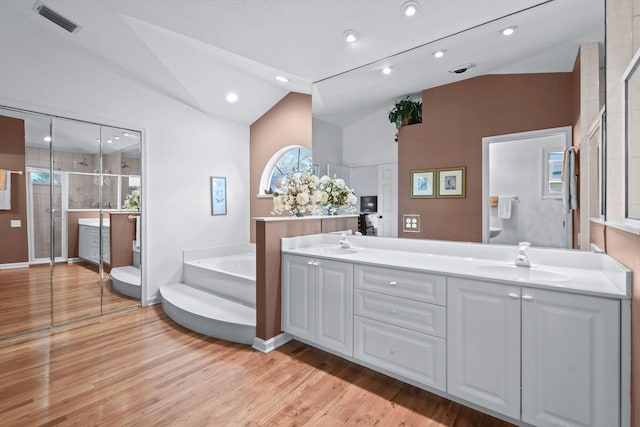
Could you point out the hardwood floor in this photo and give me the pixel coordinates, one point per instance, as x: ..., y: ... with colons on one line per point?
x: 25, y: 296
x: 140, y: 368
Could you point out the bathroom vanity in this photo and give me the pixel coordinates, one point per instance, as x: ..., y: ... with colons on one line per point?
x: 89, y: 240
x: 541, y: 345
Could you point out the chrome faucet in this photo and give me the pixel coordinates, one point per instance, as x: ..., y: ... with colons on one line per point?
x: 344, y: 243
x: 522, y: 259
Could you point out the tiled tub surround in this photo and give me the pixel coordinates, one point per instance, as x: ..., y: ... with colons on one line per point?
x: 546, y: 345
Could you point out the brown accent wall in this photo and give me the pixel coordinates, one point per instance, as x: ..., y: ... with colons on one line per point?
x: 13, y: 241
x: 455, y: 119
x: 73, y: 230
x: 625, y: 247
x: 286, y: 123
x: 122, y: 234
x: 269, y: 264
x: 597, y: 235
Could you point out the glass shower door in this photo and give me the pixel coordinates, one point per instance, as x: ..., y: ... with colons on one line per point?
x: 40, y: 238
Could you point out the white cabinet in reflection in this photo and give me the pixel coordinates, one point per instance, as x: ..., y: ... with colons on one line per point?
x: 89, y: 244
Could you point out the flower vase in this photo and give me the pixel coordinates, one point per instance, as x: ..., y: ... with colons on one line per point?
x: 299, y: 214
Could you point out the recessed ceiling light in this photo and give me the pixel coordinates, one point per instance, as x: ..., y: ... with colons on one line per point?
x: 410, y: 8
x: 125, y: 134
x: 386, y: 70
x: 282, y: 79
x: 439, y: 53
x: 116, y: 137
x: 110, y: 141
x: 508, y: 31
x: 350, y: 36
x: 47, y: 138
x: 232, y: 97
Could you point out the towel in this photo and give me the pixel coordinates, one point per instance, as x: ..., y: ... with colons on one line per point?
x: 3, y: 179
x: 504, y: 207
x: 569, y: 181
x: 5, y: 195
x: 137, y: 242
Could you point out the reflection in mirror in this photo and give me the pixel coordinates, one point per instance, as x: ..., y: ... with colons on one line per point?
x: 121, y: 206
x: 80, y: 182
x: 350, y: 109
x: 76, y: 287
x: 632, y: 137
x: 25, y: 246
x: 596, y: 164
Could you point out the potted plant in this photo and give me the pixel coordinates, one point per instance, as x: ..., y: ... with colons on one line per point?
x: 406, y: 112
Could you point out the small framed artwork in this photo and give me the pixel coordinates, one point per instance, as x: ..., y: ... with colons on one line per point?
x: 423, y: 183
x: 218, y: 195
x: 451, y: 182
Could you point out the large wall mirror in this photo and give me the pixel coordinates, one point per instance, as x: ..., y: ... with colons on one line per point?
x: 351, y: 129
x: 72, y: 249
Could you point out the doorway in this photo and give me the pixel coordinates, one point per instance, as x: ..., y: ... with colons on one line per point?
x: 522, y: 188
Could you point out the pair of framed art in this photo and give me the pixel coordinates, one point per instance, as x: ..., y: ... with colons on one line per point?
x: 441, y: 183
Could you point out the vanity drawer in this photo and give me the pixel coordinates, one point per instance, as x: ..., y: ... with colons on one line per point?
x: 401, y: 283
x: 419, y: 316
x: 413, y: 355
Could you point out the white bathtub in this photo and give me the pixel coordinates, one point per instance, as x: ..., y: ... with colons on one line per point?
x: 226, y: 272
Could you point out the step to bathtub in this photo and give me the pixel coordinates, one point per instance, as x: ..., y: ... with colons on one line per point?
x: 126, y: 280
x: 209, y: 314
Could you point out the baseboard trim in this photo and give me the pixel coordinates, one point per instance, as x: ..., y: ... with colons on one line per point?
x: 272, y: 343
x: 14, y: 265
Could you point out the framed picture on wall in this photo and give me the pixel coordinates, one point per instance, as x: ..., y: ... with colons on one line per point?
x: 451, y: 182
x: 423, y: 183
x: 218, y: 195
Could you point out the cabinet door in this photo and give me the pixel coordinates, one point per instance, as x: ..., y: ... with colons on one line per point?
x: 334, y: 306
x: 297, y: 296
x: 483, y: 344
x: 570, y: 359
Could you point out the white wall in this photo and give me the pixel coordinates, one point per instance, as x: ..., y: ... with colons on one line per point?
x: 44, y: 71
x: 327, y: 144
x: 364, y: 180
x: 369, y: 141
x: 516, y: 170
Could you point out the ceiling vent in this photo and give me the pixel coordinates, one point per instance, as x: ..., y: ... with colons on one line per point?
x: 461, y: 68
x: 55, y: 17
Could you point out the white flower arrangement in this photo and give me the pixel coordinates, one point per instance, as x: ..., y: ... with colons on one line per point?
x: 132, y: 201
x: 298, y: 194
x: 336, y: 195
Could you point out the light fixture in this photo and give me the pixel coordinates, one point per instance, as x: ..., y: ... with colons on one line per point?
x: 508, y: 31
x: 116, y: 137
x: 350, y: 36
x: 386, y: 70
x: 282, y: 79
x: 410, y: 8
x: 232, y: 97
x: 125, y: 134
x: 110, y: 141
x: 439, y: 53
x: 47, y: 138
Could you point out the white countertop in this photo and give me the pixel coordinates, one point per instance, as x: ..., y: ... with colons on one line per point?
x: 301, y: 218
x: 94, y: 222
x: 565, y: 270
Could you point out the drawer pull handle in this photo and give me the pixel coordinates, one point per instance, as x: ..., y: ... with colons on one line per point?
x: 394, y: 311
x: 527, y: 298
x: 393, y: 350
x: 513, y: 295
x: 394, y: 283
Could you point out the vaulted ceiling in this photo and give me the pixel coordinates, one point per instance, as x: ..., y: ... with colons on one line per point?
x: 197, y: 51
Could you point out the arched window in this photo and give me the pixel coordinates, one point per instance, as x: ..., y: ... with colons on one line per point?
x: 288, y: 160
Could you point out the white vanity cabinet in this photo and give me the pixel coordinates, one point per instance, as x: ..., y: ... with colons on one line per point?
x: 399, y: 323
x: 89, y: 244
x: 570, y: 358
x: 317, y: 302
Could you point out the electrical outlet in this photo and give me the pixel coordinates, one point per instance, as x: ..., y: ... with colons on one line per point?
x: 16, y: 223
x: 411, y: 223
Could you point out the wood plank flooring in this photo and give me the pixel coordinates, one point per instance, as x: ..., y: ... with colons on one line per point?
x: 139, y: 368
x: 26, y: 297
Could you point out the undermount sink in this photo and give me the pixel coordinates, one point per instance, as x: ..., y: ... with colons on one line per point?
x: 338, y: 251
x: 522, y: 273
